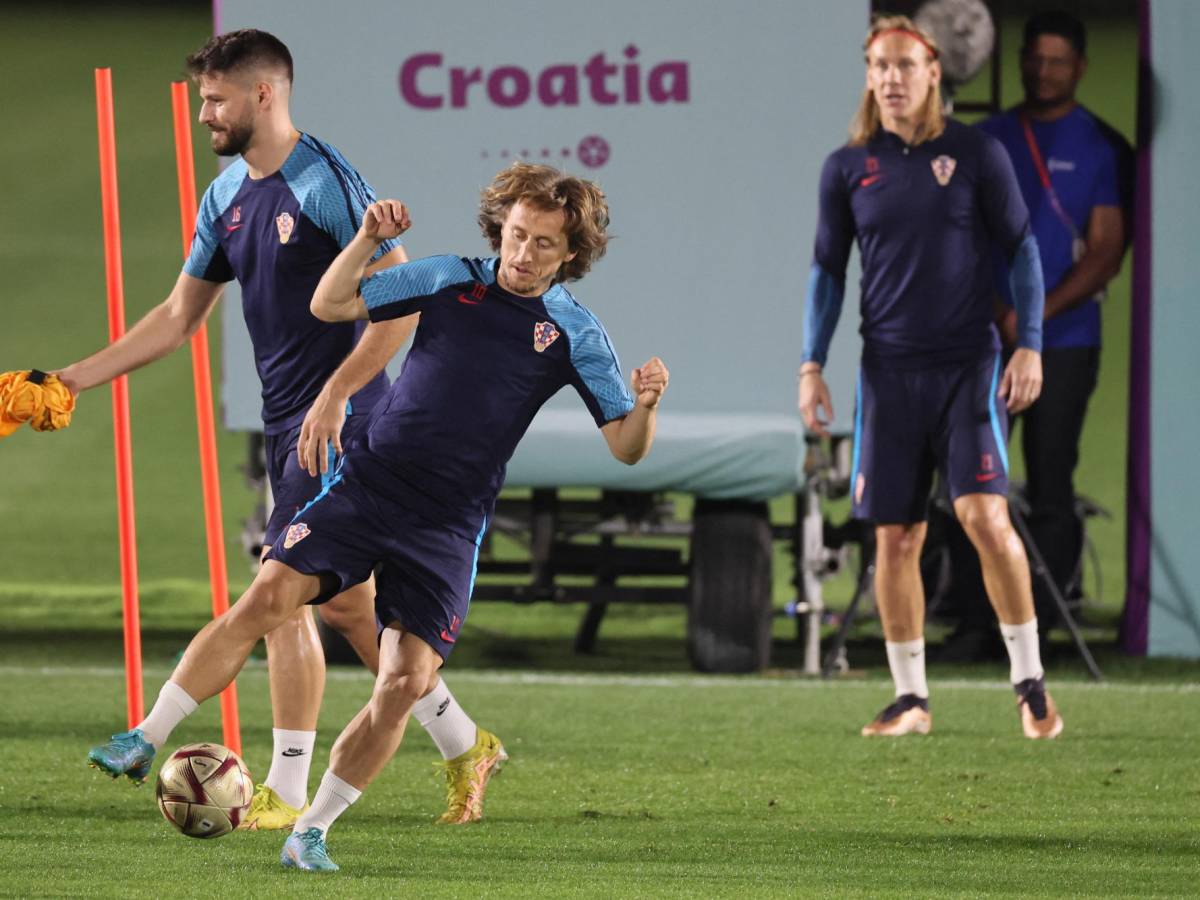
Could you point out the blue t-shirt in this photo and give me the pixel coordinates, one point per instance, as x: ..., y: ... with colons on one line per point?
x: 926, y: 218
x: 1089, y: 165
x: 277, y: 236
x: 483, y: 361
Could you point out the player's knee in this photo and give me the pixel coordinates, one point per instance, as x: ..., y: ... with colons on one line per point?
x: 898, y: 544
x: 270, y: 603
x: 988, y: 527
x: 395, y: 695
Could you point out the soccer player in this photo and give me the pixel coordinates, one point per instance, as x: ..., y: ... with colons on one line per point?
x: 412, y: 496
x: 926, y: 199
x: 274, y: 220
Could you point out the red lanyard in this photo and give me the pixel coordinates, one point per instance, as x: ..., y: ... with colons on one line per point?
x: 1044, y: 177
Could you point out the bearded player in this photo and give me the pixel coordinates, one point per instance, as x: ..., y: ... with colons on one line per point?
x: 274, y: 220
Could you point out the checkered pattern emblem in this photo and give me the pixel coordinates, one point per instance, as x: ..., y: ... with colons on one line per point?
x: 285, y: 223
x: 943, y: 169
x: 295, y: 534
x: 544, y: 334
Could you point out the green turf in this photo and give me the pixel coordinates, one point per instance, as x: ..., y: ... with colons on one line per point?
x: 651, y: 785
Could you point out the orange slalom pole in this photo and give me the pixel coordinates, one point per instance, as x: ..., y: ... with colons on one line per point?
x: 123, y: 446
x: 205, y: 425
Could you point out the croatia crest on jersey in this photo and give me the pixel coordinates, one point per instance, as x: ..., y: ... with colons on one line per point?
x: 943, y: 169
x: 295, y: 534
x: 544, y: 334
x: 285, y: 223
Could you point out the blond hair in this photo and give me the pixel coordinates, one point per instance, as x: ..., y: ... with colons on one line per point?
x: 547, y: 189
x: 866, y: 120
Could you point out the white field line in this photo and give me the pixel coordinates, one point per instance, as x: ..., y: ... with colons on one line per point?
x: 786, y: 682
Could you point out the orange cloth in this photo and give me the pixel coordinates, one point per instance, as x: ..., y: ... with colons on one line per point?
x: 34, y: 397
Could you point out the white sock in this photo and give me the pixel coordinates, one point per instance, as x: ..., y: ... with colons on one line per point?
x: 906, y: 659
x: 173, y: 705
x: 1024, y: 655
x: 451, y: 728
x: 333, y: 798
x: 289, y: 765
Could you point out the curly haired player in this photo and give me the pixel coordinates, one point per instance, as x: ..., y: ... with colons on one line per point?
x: 412, y: 496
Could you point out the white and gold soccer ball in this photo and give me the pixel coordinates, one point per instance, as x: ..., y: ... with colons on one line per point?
x: 204, y: 790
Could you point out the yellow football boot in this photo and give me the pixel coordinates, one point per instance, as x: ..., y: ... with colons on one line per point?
x: 467, y: 778
x: 268, y: 812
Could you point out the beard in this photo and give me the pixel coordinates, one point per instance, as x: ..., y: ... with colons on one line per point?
x: 232, y: 141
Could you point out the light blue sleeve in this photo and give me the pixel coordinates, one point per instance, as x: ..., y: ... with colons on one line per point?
x: 596, y: 371
x: 390, y: 292
x: 207, y: 260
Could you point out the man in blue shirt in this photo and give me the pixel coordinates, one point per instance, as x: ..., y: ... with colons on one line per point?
x: 927, y: 199
x: 1075, y: 174
x: 414, y: 492
x: 274, y: 220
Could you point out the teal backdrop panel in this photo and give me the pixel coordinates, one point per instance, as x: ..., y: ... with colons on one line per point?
x: 705, y: 125
x: 1175, y: 330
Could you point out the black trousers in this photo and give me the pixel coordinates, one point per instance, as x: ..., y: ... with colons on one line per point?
x: 1050, y: 433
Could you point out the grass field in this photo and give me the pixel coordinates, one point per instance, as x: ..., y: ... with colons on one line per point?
x: 629, y: 776
x: 649, y: 785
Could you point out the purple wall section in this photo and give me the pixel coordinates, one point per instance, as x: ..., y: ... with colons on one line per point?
x: 1135, y: 621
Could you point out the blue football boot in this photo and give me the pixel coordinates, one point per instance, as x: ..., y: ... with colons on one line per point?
x: 306, y: 851
x: 128, y: 754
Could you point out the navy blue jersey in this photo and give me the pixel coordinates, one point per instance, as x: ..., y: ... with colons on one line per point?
x: 277, y: 236
x: 1089, y: 165
x: 926, y: 218
x: 483, y: 361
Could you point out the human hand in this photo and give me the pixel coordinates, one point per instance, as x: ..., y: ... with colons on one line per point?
x: 321, y: 428
x: 385, y: 219
x: 816, y: 406
x: 649, y: 382
x: 1021, y: 384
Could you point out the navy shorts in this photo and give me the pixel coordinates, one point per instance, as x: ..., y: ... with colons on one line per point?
x: 291, y: 485
x: 907, y: 423
x: 424, y: 572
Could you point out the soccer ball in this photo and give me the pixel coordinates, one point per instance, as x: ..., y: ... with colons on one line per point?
x: 204, y: 790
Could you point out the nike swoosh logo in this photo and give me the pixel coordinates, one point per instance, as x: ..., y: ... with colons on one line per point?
x: 292, y: 751
x: 987, y: 476
x: 870, y: 180
x: 446, y: 637
x: 229, y: 228
x: 463, y: 298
